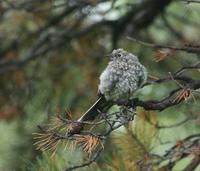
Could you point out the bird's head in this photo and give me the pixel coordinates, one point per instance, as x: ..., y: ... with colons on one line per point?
x: 118, y: 54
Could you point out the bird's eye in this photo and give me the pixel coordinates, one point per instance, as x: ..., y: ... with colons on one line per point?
x: 119, y: 55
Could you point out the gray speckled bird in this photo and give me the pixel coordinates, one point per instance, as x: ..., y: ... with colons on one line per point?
x: 118, y: 82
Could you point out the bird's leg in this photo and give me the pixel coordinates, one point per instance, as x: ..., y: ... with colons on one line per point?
x: 132, y: 103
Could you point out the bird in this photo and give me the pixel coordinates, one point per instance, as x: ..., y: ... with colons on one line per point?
x: 123, y: 75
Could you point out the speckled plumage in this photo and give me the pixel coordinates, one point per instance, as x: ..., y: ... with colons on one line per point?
x: 122, y: 77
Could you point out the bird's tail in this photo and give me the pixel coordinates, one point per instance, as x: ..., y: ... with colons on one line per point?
x: 100, y: 106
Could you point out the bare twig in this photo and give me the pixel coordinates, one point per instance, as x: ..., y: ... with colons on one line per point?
x: 189, y: 49
x: 193, y: 164
x: 187, y: 119
x: 46, y: 42
x: 87, y: 163
x: 184, y: 68
x: 190, y: 1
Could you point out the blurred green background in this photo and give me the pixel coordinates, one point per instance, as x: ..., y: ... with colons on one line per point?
x: 67, y: 59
